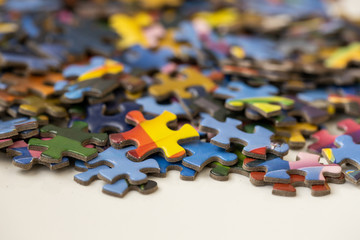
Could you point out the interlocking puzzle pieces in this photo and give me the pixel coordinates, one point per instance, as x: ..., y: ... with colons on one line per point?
x: 137, y: 57
x: 179, y: 86
x: 257, y: 144
x: 25, y: 158
x: 295, y: 133
x: 39, y: 85
x: 76, y: 91
x: 154, y: 135
x: 98, y: 67
x: 152, y: 107
x: 259, y: 99
x: 286, y: 175
x: 34, y: 106
x: 67, y: 142
x: 98, y: 121
x: 202, y: 153
x: 118, y: 189
x: 347, y: 152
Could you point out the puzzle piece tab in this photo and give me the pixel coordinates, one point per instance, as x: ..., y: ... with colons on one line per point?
x: 34, y: 106
x: 295, y: 133
x: 256, y: 144
x: 186, y: 173
x: 153, y: 136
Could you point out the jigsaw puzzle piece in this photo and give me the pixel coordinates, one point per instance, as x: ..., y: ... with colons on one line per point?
x: 202, y: 153
x: 137, y: 57
x: 295, y: 133
x: 153, y: 136
x: 14, y: 126
x: 323, y: 140
x: 67, y: 142
x: 118, y: 189
x: 26, y: 159
x: 179, y: 87
x: 99, y: 122
x: 98, y: 67
x: 255, y: 144
x: 97, y: 87
x: 35, y: 106
x: 122, y: 167
x: 152, y: 107
x: 351, y: 128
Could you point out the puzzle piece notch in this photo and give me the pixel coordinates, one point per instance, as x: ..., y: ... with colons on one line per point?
x: 255, y: 144
x: 118, y: 189
x: 323, y: 140
x: 67, y: 142
x: 179, y: 87
x: 122, y: 167
x: 153, y: 135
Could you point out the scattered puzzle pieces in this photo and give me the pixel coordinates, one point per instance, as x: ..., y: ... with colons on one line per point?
x: 15, y: 126
x: 153, y: 135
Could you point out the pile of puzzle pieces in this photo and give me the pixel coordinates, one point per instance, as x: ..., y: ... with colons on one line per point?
x: 127, y: 90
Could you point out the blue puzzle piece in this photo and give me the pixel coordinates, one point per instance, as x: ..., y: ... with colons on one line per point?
x: 26, y: 161
x: 239, y: 90
x: 119, y: 188
x: 203, y: 153
x: 122, y: 167
x: 187, y: 33
x: 152, y: 107
x: 257, y: 48
x: 185, y: 173
x: 138, y: 57
x: 97, y: 87
x: 99, y: 122
x: 313, y: 95
x: 13, y: 127
x: 32, y: 5
x: 256, y: 144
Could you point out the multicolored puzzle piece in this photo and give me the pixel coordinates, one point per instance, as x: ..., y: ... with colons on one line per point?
x: 153, y: 136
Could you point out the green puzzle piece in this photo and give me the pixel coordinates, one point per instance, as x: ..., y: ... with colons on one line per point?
x: 267, y: 106
x: 67, y: 142
x: 221, y: 172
